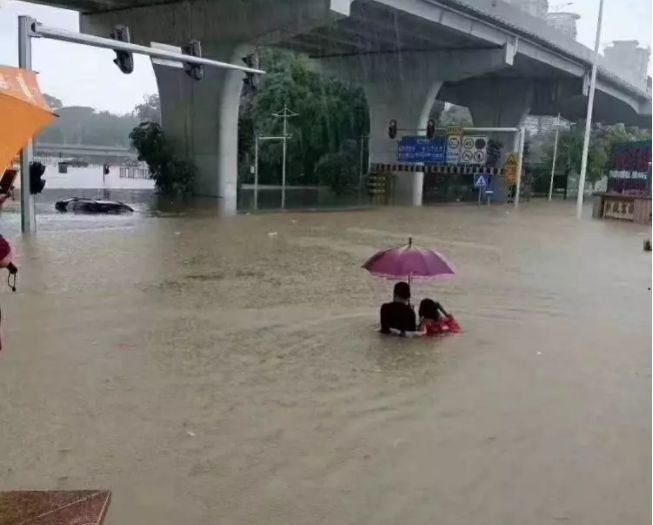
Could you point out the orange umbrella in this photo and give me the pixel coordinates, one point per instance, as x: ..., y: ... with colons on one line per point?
x: 25, y: 113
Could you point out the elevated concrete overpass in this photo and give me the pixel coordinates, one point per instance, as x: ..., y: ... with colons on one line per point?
x: 484, y: 54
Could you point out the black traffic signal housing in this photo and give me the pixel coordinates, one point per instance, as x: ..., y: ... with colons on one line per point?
x: 36, y: 182
x: 124, y: 60
x: 392, y: 129
x: 430, y: 129
x: 194, y: 71
x: 250, y: 78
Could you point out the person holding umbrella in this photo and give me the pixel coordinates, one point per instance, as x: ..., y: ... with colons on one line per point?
x: 406, y: 263
x: 399, y: 314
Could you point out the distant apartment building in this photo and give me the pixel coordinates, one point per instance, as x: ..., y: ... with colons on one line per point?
x: 563, y: 22
x: 627, y: 57
x: 537, y: 8
x: 566, y: 23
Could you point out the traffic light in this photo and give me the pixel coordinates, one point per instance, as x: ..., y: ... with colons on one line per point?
x: 193, y: 48
x: 250, y: 78
x: 392, y: 129
x: 36, y: 183
x: 430, y: 129
x: 124, y: 60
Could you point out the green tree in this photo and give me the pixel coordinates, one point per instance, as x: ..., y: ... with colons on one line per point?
x: 330, y: 113
x: 603, y: 140
x: 172, y: 176
x: 84, y: 125
x: 339, y: 171
x: 149, y: 110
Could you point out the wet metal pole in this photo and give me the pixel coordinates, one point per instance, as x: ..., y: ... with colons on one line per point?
x: 27, y: 222
x: 588, y: 119
x: 285, y: 115
x: 520, y: 164
x: 285, y: 155
x: 555, y: 156
x: 256, y: 173
x: 29, y: 28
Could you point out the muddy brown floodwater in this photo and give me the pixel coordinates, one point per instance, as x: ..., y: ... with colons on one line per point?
x: 208, y: 372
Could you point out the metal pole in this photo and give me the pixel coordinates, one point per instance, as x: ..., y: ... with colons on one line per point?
x: 588, y: 120
x: 285, y: 150
x: 360, y: 169
x: 27, y: 218
x: 520, y: 164
x: 256, y: 173
x: 555, y: 156
x: 108, y: 43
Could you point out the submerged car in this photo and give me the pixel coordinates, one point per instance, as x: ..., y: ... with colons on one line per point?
x: 80, y: 205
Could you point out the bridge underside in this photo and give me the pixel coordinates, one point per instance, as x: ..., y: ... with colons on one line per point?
x: 405, y: 54
x: 376, y: 29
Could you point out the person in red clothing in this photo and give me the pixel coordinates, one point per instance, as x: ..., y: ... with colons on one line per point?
x: 435, y: 320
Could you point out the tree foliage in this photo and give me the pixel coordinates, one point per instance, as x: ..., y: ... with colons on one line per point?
x: 84, y: 125
x: 330, y: 113
x: 172, y: 176
x: 603, y: 140
x: 338, y: 171
x: 149, y: 110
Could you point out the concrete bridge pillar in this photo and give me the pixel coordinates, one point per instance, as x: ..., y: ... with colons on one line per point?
x: 409, y: 104
x: 501, y: 104
x: 403, y: 87
x: 201, y: 118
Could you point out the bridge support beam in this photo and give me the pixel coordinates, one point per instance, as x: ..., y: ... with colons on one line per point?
x: 502, y: 104
x: 403, y: 87
x: 202, y: 117
x: 409, y: 104
x: 495, y: 102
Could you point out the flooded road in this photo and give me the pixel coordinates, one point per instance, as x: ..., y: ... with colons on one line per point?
x: 208, y: 372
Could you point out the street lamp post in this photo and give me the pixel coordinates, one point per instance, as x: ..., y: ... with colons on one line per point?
x: 588, y: 120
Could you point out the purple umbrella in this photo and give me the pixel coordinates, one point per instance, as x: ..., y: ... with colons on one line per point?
x: 409, y: 262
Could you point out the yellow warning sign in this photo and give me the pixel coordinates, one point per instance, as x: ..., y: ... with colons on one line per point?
x: 510, y: 169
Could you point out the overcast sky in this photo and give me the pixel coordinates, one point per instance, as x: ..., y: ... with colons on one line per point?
x: 86, y: 76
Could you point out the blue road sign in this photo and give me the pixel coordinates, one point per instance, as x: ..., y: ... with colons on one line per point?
x: 423, y: 150
x: 480, y: 181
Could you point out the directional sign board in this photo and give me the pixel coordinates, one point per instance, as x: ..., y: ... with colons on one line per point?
x: 423, y: 150
x: 453, y: 148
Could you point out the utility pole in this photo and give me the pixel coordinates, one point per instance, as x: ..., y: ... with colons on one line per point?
x: 285, y: 115
x: 588, y: 120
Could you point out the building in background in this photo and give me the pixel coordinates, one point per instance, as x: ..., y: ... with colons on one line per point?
x: 537, y: 8
x: 630, y: 59
x: 566, y: 23
x: 561, y: 21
